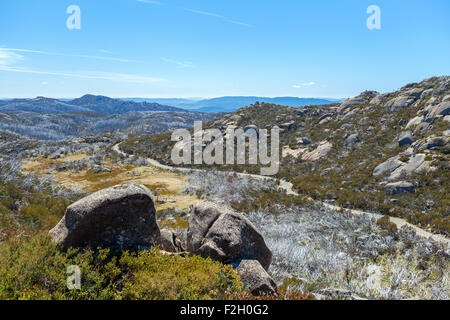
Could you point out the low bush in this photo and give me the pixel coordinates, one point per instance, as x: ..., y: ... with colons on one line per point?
x: 35, y: 269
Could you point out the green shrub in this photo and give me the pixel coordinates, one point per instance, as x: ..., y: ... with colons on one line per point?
x: 35, y: 269
x: 386, y: 224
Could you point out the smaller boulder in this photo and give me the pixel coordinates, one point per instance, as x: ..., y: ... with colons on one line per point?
x: 405, y: 139
x: 121, y: 217
x: 169, y: 242
x: 217, y: 232
x: 351, y: 139
x: 387, y: 166
x: 255, y: 278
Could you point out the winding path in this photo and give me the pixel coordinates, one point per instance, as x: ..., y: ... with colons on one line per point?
x: 288, y: 187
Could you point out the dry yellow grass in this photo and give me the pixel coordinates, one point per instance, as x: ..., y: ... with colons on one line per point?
x: 168, y: 185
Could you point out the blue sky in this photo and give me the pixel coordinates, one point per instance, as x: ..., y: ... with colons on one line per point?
x: 208, y: 48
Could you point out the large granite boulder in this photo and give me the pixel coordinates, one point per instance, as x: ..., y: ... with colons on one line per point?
x: 217, y: 232
x: 121, y: 217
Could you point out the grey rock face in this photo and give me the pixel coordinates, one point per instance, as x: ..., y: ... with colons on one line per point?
x: 388, y: 166
x: 363, y: 98
x: 442, y: 109
x: 318, y: 153
x: 255, y: 278
x: 400, y: 103
x: 414, y: 121
x: 378, y: 99
x: 414, y: 163
x: 121, y: 217
x: 399, y: 187
x: 405, y: 139
x: 224, y: 235
x: 169, y: 242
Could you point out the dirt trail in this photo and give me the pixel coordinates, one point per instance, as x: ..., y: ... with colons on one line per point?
x: 288, y: 187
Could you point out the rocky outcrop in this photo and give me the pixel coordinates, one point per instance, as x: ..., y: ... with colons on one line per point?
x: 363, y: 98
x: 431, y: 143
x: 121, y: 217
x: 442, y: 109
x: 414, y: 122
x: 255, y: 278
x: 415, y: 161
x: 223, y: 235
x: 320, y: 152
x: 287, y: 151
x: 404, y: 100
x: 399, y: 187
x: 388, y: 166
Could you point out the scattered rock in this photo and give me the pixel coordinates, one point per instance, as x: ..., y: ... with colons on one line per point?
x: 363, y: 98
x: 401, y: 102
x: 320, y: 152
x: 388, y: 166
x: 415, y: 161
x: 414, y: 122
x: 405, y: 139
x: 399, y: 187
x: 353, y: 138
x: 442, y: 109
x: 287, y: 125
x: 287, y: 151
x: 169, y: 242
x: 121, y: 217
x: 332, y: 292
x: 99, y: 169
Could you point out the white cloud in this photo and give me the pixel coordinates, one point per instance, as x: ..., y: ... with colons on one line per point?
x: 150, y: 1
x: 182, y: 64
x: 204, y: 13
x: 119, y: 77
x: 44, y: 83
x: 306, y: 84
x: 104, y: 51
x: 9, y: 57
x: 15, y: 50
x: 215, y: 15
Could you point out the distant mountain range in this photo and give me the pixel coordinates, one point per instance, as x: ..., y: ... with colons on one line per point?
x: 87, y: 103
x: 231, y: 104
x: 110, y: 106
